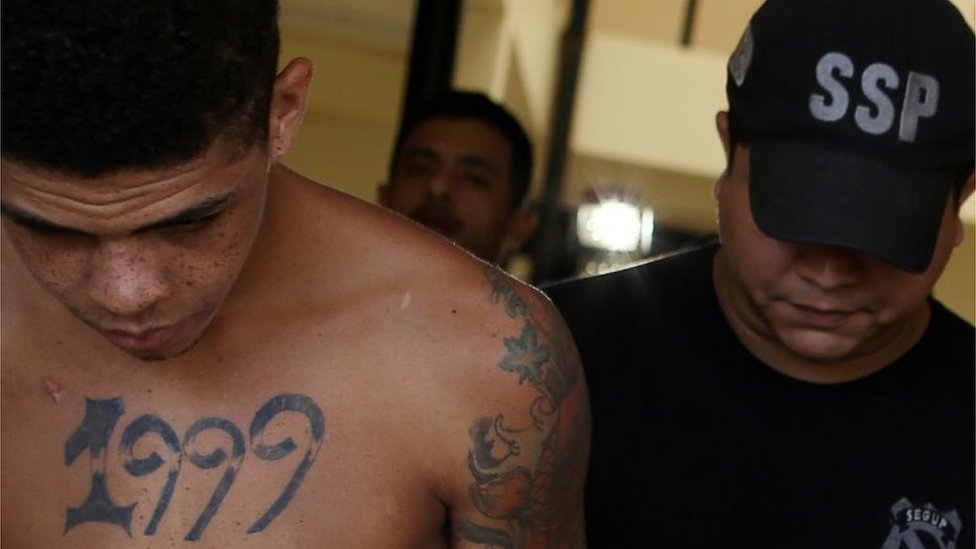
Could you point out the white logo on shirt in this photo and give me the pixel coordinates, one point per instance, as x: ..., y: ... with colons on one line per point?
x: 918, y: 527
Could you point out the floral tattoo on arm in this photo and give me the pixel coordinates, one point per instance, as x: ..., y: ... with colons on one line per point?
x: 527, y: 476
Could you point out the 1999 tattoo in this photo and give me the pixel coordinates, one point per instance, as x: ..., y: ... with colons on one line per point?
x: 101, y: 417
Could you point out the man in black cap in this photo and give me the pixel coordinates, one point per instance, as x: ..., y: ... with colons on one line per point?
x: 796, y: 385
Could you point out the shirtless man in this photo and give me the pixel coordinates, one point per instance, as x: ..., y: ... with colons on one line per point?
x: 182, y: 369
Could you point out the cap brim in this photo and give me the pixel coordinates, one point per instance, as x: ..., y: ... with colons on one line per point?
x: 801, y: 192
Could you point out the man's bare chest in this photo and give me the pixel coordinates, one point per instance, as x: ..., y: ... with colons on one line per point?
x: 275, y: 465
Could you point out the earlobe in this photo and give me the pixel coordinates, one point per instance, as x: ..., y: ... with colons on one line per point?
x: 383, y: 194
x: 722, y: 125
x: 288, y: 102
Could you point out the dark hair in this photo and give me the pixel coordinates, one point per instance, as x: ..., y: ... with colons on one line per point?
x: 475, y: 105
x: 96, y: 86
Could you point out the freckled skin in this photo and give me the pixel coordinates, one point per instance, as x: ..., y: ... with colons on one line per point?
x: 178, y: 276
x: 286, y: 395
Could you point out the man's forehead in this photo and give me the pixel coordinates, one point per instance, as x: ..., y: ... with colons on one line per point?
x: 120, y: 202
x: 21, y: 174
x: 189, y: 214
x: 220, y: 155
x: 53, y: 194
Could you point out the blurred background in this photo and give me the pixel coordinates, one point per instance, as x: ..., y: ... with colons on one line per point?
x: 619, y: 97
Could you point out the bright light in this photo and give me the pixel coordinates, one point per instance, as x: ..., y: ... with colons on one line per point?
x: 610, y: 225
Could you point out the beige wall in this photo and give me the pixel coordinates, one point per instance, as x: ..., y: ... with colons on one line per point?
x: 356, y: 94
x: 346, y: 153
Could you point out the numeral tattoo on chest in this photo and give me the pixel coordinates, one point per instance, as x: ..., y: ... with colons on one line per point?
x: 101, y: 417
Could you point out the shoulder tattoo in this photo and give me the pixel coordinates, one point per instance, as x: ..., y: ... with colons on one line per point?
x: 528, y: 475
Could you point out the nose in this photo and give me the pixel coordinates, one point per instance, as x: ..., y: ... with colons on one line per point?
x: 441, y: 183
x: 125, y: 278
x: 828, y: 266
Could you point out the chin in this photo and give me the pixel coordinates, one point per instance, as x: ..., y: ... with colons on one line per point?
x: 818, y: 346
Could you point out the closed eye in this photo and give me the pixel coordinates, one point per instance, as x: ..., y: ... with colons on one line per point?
x: 195, y: 217
x: 200, y: 222
x: 477, y: 180
x: 416, y: 169
x: 38, y: 225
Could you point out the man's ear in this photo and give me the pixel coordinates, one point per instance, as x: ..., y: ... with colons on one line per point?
x: 722, y: 126
x: 521, y: 224
x: 288, y: 101
x: 964, y: 194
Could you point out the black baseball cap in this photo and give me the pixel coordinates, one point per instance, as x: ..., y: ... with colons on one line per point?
x: 859, y: 115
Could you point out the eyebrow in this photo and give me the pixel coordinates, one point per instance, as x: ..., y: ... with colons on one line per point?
x: 200, y: 210
x: 469, y: 160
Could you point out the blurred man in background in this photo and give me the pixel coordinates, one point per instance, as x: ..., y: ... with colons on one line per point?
x: 462, y: 165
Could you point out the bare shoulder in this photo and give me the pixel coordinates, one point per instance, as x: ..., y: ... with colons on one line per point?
x: 483, y: 358
x: 529, y: 440
x: 514, y: 376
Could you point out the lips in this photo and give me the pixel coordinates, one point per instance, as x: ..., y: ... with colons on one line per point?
x: 824, y: 317
x: 141, y: 340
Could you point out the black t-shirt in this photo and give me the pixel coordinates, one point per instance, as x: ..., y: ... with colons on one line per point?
x: 696, y: 443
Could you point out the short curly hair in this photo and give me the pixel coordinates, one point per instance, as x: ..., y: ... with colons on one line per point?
x: 92, y: 87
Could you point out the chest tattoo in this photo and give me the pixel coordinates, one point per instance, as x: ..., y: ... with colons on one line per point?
x: 100, y: 421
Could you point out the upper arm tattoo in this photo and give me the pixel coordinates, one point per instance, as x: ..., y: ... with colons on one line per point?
x: 528, y: 477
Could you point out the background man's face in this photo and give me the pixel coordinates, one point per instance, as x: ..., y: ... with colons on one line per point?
x: 454, y: 176
x: 145, y: 258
